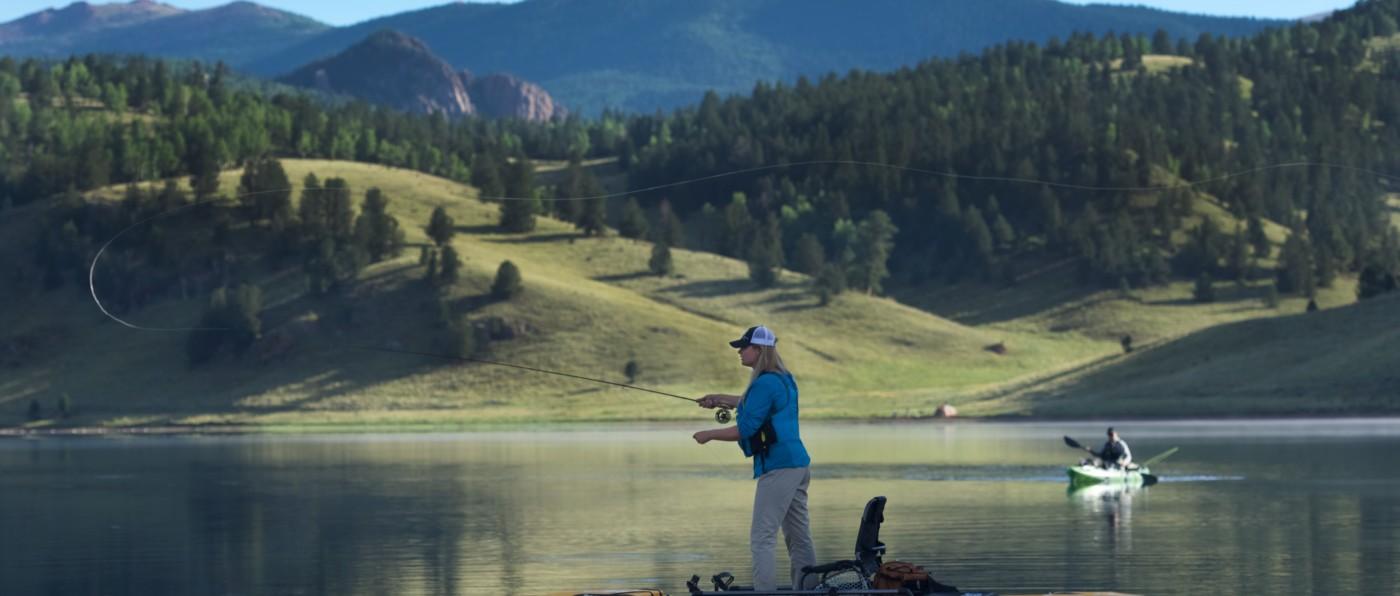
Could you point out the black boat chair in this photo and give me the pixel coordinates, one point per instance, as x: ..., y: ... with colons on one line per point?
x: 855, y: 573
x: 850, y: 576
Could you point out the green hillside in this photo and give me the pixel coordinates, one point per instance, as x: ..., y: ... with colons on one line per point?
x: 1332, y: 362
x: 589, y: 307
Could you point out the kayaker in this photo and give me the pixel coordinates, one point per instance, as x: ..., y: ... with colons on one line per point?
x: 1115, y: 453
x: 767, y: 431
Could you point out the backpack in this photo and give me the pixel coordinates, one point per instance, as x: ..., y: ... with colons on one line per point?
x: 895, y: 575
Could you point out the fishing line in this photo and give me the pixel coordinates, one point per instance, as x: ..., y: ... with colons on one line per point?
x: 98, y: 256
x: 723, y: 414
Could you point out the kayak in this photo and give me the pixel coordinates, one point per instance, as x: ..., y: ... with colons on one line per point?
x: 1090, y: 474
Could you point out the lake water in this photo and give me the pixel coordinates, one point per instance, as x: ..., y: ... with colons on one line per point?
x: 1246, y: 507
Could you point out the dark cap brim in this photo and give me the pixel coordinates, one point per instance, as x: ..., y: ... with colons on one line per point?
x: 739, y: 343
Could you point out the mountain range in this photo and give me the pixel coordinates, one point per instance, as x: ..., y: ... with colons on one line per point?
x: 638, y: 55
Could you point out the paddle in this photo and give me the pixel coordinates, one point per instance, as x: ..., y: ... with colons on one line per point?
x: 1075, y: 444
x: 1159, y: 457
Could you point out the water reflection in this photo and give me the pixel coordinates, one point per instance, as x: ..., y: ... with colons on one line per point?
x: 1113, y: 505
x: 983, y: 506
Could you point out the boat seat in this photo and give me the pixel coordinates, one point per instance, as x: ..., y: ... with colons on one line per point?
x: 869, y: 549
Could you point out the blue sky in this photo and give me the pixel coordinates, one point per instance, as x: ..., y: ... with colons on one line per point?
x: 340, y: 12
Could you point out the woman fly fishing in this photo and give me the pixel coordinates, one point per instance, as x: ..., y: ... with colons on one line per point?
x: 767, y: 431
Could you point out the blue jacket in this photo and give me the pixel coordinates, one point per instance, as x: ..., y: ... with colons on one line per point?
x: 772, y: 396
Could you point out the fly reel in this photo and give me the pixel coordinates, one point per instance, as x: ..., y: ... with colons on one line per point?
x: 723, y: 415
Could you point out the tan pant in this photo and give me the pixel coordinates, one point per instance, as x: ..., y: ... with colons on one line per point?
x: 781, y: 501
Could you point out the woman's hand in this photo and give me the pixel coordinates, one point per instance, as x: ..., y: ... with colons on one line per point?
x: 713, y: 400
x: 702, y: 437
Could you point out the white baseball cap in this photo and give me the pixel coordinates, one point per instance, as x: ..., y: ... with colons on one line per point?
x: 757, y: 335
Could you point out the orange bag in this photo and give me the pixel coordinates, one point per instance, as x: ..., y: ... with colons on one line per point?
x: 898, y: 574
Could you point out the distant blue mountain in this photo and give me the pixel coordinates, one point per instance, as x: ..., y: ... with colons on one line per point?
x: 643, y: 55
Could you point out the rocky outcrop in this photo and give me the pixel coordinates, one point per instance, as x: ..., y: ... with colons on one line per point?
x: 393, y: 69
x: 506, y: 96
x: 398, y: 70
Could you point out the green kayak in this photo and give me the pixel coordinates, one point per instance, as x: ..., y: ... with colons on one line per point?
x: 1090, y: 474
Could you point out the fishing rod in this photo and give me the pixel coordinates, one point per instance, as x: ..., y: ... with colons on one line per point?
x: 722, y: 413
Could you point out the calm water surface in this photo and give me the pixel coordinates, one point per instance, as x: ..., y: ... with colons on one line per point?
x: 1291, y: 507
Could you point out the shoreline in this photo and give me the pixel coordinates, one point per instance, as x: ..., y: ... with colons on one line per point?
x: 224, y: 429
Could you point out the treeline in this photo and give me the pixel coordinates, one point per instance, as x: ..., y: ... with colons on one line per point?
x: 913, y: 187
x: 91, y: 121
x: 1096, y: 120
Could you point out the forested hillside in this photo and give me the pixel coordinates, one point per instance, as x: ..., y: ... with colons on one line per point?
x: 1259, y: 169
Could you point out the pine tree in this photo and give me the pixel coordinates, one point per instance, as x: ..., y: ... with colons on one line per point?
x: 660, y: 263
x: 449, y: 267
x: 507, y: 284
x: 441, y: 227
x: 874, y: 241
x: 593, y: 220
x: 1258, y: 240
x: 311, y: 210
x: 518, y: 215
x: 376, y: 231
x: 339, y: 210
x: 829, y: 283
x: 810, y: 258
x: 1374, y: 281
x: 1295, y: 273
x: 265, y: 191
x: 1238, y: 260
x: 668, y: 229
x: 519, y: 179
x: 634, y: 221
x: 1205, y: 289
x: 738, y: 230
x: 979, y: 238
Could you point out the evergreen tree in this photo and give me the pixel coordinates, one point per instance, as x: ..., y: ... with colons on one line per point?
x: 311, y: 210
x: 875, y: 240
x: 265, y: 191
x: 1374, y: 281
x: 1258, y: 240
x: 593, y: 220
x: 1205, y: 289
x: 376, y: 231
x: 1326, y: 266
x: 829, y: 283
x: 668, y: 229
x: 339, y: 215
x: 979, y: 239
x: 486, y: 176
x: 507, y: 284
x: 441, y: 227
x: 810, y: 258
x: 518, y: 215
x: 1238, y: 260
x: 763, y: 261
x: 660, y: 263
x: 634, y: 221
x: 1295, y: 273
x: 449, y: 267
x: 519, y: 180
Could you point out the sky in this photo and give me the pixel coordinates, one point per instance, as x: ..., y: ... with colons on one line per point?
x: 340, y: 12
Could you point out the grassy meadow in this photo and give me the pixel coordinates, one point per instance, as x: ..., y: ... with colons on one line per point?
x: 590, y: 306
